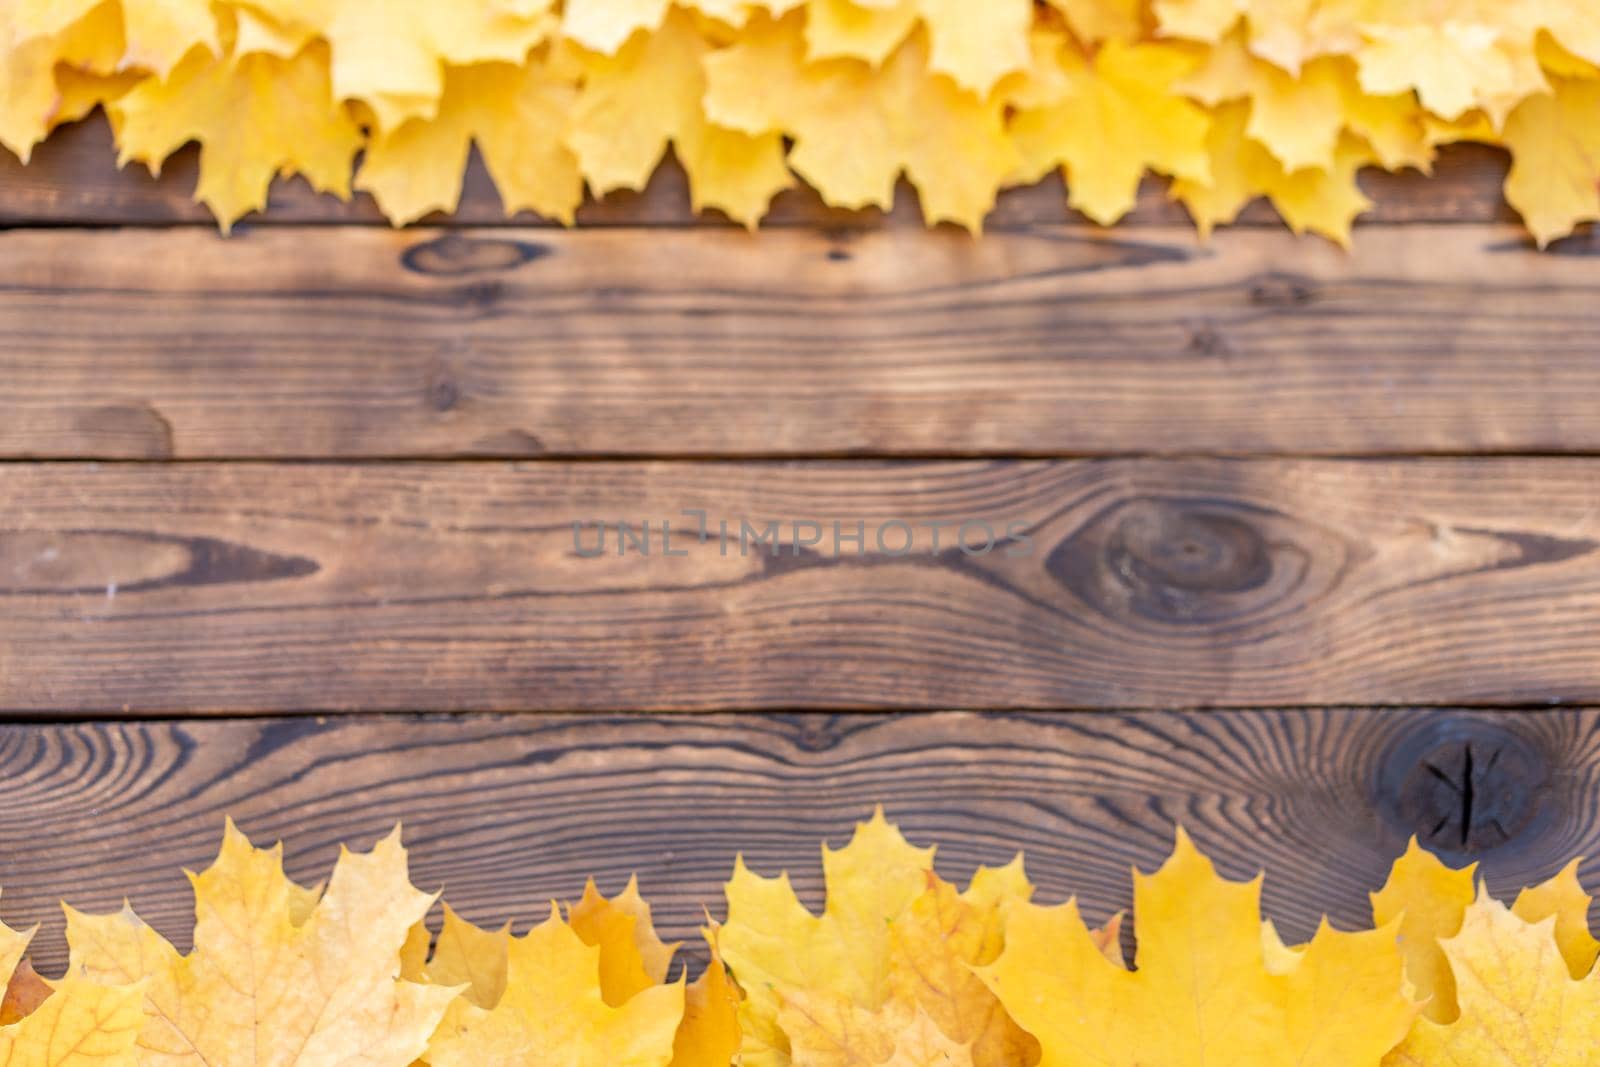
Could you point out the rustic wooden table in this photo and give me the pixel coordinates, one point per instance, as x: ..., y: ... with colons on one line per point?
x: 286, y: 532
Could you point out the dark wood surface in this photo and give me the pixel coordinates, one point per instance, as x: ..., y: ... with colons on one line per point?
x: 203, y: 587
x: 358, y: 342
x: 1415, y: 527
x: 506, y: 813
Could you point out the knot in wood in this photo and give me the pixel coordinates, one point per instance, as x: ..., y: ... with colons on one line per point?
x: 1282, y: 290
x: 1196, y: 561
x: 455, y: 254
x: 817, y: 733
x: 1190, y: 552
x: 1463, y: 784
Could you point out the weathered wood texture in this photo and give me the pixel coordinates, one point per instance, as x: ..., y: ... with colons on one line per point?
x: 361, y: 342
x: 266, y: 587
x: 508, y: 813
x: 73, y: 180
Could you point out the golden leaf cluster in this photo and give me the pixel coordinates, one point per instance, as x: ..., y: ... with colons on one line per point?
x: 1232, y: 100
x: 901, y: 969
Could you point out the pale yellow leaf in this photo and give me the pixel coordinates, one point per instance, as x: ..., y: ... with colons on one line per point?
x: 648, y: 96
x: 391, y: 54
x: 256, y: 117
x: 1518, y: 1002
x: 1202, y: 994
x: 517, y: 115
x: 856, y: 128
x: 552, y: 1012
x: 1429, y: 899
x: 1554, y: 181
x: 258, y: 989
x: 1564, y: 897
x: 1117, y: 118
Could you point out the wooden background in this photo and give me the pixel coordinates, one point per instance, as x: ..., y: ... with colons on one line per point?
x: 286, y: 532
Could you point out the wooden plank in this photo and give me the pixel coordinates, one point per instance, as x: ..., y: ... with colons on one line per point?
x: 358, y: 342
x: 262, y: 587
x: 73, y: 180
x: 507, y: 813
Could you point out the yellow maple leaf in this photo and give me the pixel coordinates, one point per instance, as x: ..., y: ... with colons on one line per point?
x: 74, y: 1022
x: 1283, y: 32
x: 838, y: 29
x: 391, y: 54
x: 1554, y: 58
x: 273, y: 978
x: 736, y: 13
x: 647, y: 96
x: 1575, y: 28
x: 1296, y: 118
x: 1395, y: 127
x: 255, y: 117
x: 25, y: 990
x: 1325, y: 201
x: 1519, y: 1004
x: 1563, y: 897
x: 255, y: 31
x: 974, y: 44
x: 1554, y: 139
x: 632, y: 957
x: 1456, y: 54
x: 1109, y: 120
x: 1203, y: 992
x: 517, y: 115
x: 552, y: 1011
x: 857, y: 128
x: 465, y: 957
x: 1300, y: 119
x: 831, y: 1032
x: 936, y: 944
x: 604, y: 25
x: 79, y: 92
x: 35, y: 66
x: 710, y: 1035
x: 892, y: 936
x: 81, y: 1024
x: 159, y: 33
x: 774, y: 944
x: 1428, y: 899
x: 156, y: 34
x: 91, y: 70
x: 1315, y: 200
x: 1093, y: 21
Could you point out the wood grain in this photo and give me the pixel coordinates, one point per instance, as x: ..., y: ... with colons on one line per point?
x: 365, y: 343
x: 507, y: 813
x: 73, y: 180
x: 264, y: 587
